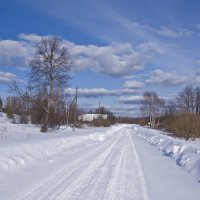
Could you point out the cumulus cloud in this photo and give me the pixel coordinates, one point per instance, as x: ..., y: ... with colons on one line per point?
x: 6, y: 77
x: 115, y: 60
x: 30, y: 37
x: 17, y: 53
x: 12, y: 48
x: 166, y: 78
x: 98, y: 92
x: 14, y: 53
x: 133, y: 84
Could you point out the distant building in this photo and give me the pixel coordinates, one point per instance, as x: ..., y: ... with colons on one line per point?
x: 90, y: 117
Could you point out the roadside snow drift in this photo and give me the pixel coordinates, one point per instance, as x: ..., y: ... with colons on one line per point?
x: 185, y: 153
x: 21, y: 144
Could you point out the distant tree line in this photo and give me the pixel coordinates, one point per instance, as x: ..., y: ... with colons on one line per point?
x: 180, y: 115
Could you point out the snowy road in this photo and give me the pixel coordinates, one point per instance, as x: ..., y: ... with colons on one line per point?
x: 118, y: 167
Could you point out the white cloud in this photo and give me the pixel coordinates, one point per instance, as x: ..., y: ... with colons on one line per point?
x: 150, y: 49
x: 131, y: 99
x: 115, y: 60
x: 14, y: 53
x: 30, y: 37
x: 126, y: 110
x: 98, y: 92
x: 11, y: 48
x: 121, y: 109
x: 133, y: 84
x: 6, y: 77
x: 166, y: 78
x: 164, y: 31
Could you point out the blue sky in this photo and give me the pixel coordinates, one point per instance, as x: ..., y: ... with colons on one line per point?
x: 119, y: 48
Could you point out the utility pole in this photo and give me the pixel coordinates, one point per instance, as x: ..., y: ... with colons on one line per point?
x: 68, y: 111
x: 99, y: 108
x: 75, y: 107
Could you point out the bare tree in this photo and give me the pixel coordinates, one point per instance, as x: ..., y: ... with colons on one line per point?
x: 171, y: 108
x: 22, y: 98
x: 186, y: 99
x: 1, y: 104
x: 49, y: 72
x: 197, y: 100
x: 152, y: 107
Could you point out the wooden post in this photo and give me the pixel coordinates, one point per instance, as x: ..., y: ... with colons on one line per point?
x: 75, y: 107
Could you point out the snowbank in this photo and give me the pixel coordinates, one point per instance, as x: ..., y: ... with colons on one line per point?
x: 21, y: 144
x: 185, y: 153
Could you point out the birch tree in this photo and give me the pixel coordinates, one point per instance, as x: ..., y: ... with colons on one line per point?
x: 49, y: 71
x: 152, y: 107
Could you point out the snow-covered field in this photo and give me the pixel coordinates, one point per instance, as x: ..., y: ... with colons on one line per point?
x: 122, y: 162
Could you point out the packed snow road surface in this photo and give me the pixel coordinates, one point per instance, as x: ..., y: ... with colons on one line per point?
x: 109, y: 169
x: 112, y: 164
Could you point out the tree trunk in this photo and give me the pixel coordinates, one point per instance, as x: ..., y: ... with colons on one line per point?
x: 45, y: 125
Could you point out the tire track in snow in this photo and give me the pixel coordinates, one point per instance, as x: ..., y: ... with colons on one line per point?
x: 127, y: 181
x: 96, y: 182
x: 54, y: 185
x: 142, y: 189
x: 110, y: 170
x: 111, y: 190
